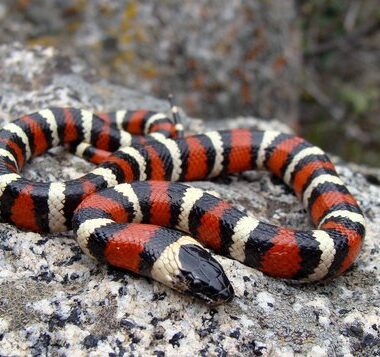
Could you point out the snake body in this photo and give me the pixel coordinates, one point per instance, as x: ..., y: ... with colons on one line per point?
x: 124, y: 211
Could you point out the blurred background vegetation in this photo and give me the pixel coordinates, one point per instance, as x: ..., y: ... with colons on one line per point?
x: 315, y: 64
x: 340, y: 87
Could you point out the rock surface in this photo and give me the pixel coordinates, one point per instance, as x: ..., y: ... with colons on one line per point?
x: 219, y: 57
x: 55, y: 300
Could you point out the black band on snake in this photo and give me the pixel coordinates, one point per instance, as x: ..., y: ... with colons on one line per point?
x: 130, y: 213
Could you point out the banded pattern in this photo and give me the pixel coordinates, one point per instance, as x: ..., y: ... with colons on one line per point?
x: 277, y: 251
x: 165, y: 255
x: 121, y: 225
x: 48, y: 207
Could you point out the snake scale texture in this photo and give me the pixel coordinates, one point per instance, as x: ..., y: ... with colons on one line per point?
x: 131, y: 213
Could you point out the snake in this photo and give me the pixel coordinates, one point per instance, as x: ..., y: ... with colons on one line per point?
x: 134, y: 210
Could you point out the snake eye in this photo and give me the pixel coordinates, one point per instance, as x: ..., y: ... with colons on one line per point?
x: 197, y: 284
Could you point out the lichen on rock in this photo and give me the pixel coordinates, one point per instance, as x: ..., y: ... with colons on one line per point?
x: 55, y: 300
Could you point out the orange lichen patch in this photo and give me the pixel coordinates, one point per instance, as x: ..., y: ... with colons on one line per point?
x: 43, y: 41
x: 240, y: 154
x: 124, y: 247
x: 198, y: 81
x: 148, y: 70
x: 279, y: 63
x: 283, y: 259
x: 245, y: 92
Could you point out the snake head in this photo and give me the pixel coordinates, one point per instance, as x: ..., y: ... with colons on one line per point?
x: 186, y: 266
x: 202, y: 276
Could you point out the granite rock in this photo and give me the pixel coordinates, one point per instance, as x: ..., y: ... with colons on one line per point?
x: 219, y: 57
x: 54, y: 300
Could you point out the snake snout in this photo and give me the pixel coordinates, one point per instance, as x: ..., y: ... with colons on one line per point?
x: 204, y: 277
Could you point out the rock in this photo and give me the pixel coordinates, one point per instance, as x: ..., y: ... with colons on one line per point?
x: 219, y: 57
x: 55, y: 300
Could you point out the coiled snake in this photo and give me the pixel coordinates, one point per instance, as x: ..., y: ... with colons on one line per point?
x: 124, y: 212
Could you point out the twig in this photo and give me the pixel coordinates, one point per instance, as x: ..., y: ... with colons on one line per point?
x: 350, y: 38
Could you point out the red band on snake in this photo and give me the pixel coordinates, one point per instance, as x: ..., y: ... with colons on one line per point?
x: 128, y: 214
